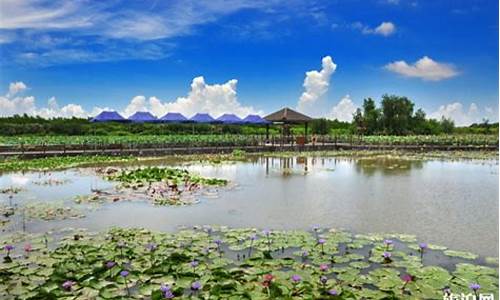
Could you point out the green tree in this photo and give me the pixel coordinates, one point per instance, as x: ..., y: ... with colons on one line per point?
x: 371, y: 116
x: 397, y: 114
x: 359, y: 122
x: 447, y: 125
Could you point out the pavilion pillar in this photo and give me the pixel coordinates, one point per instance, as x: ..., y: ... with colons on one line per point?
x: 267, y: 132
x: 305, y: 132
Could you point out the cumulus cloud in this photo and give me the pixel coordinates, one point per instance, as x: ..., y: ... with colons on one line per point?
x: 215, y: 99
x: 316, y: 85
x: 464, y: 116
x: 15, y: 103
x: 138, y: 103
x: 384, y: 29
x: 16, y: 87
x: 343, y: 110
x: 425, y: 68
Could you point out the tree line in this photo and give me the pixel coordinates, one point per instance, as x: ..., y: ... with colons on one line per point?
x: 395, y: 116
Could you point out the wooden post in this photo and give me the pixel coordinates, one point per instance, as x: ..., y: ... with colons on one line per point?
x: 305, y: 134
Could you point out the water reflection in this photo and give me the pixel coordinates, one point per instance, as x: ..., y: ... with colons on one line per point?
x: 288, y: 166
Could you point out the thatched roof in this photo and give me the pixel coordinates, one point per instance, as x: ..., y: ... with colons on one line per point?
x: 288, y: 115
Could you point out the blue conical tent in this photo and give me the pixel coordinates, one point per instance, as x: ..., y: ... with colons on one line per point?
x: 173, y: 117
x: 202, y: 118
x: 254, y: 119
x: 229, y: 119
x: 142, y: 117
x: 108, y: 116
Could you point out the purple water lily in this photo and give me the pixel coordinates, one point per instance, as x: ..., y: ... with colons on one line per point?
x: 387, y: 257
x: 333, y: 292
x: 323, y: 267
x: 67, y: 285
x: 164, y: 288
x: 323, y: 280
x: 195, y: 286
x: 151, y: 247
x: 388, y: 243
x: 422, y: 247
x: 322, y: 242
x: 110, y: 264
x: 8, y: 248
x: 124, y: 273
x: 168, y: 295
x: 475, y: 287
x: 296, y: 278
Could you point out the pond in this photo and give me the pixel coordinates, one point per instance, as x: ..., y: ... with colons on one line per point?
x: 449, y: 203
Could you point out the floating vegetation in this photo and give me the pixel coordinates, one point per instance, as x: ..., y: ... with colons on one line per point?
x: 12, y: 190
x: 223, y: 263
x: 50, y: 211
x: 173, y: 176
x: 51, y: 182
x: 163, y: 186
x: 60, y: 162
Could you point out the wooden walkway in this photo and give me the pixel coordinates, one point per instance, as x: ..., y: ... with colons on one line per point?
x: 161, y: 151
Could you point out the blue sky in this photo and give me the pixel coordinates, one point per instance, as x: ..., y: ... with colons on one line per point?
x: 78, y: 57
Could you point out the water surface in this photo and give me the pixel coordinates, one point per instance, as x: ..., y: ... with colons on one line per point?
x: 452, y: 203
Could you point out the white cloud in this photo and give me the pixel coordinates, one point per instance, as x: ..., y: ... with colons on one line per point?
x: 54, y: 111
x: 215, y: 99
x: 425, y: 68
x: 97, y: 31
x: 14, y: 103
x: 384, y: 29
x: 138, y: 103
x: 344, y: 110
x: 16, y: 87
x: 316, y: 84
x: 464, y: 116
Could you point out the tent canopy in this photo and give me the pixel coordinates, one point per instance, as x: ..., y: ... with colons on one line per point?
x: 229, y: 119
x: 202, y: 118
x: 254, y: 119
x: 108, y: 116
x: 288, y: 115
x: 142, y: 117
x: 173, y: 117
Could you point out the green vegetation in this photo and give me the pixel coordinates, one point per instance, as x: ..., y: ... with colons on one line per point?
x: 222, y: 263
x: 62, y: 162
x: 25, y: 142
x: 396, y: 116
x: 169, y: 175
x: 449, y: 140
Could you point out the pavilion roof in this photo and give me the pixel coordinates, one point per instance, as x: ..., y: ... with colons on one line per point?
x: 288, y: 115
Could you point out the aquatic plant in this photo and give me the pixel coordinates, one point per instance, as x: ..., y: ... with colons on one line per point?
x: 117, y: 265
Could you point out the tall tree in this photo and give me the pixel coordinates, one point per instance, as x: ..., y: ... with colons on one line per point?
x: 371, y: 116
x: 397, y: 113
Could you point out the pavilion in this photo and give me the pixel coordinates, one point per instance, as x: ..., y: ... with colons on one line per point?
x: 287, y: 116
